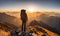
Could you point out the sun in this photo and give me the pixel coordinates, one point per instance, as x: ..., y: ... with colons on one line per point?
x: 31, y: 9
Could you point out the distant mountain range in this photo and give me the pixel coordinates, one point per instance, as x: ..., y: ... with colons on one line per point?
x: 36, y: 24
x: 10, y: 19
x: 50, y: 19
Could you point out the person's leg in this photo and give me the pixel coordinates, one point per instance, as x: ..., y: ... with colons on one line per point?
x: 22, y: 26
x: 25, y: 26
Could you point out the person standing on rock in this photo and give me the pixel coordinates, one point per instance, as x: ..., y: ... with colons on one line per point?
x: 24, y: 19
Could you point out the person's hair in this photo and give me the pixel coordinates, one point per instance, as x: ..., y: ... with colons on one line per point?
x: 23, y: 10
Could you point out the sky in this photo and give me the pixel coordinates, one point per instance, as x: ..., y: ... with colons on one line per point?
x: 37, y: 5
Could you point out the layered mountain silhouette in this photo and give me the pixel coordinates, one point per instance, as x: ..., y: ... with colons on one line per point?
x: 36, y: 24
x: 9, y: 23
x: 10, y: 19
x: 7, y: 26
x: 49, y: 21
x: 52, y: 20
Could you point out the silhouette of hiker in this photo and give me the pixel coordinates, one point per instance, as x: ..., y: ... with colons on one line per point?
x: 24, y: 19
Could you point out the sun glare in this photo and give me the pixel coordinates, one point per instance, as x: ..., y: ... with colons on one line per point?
x: 31, y: 9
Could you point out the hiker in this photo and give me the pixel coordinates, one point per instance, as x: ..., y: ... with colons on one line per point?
x: 24, y: 20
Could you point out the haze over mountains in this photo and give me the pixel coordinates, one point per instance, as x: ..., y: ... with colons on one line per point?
x: 9, y: 19
x: 52, y: 19
x: 49, y: 18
